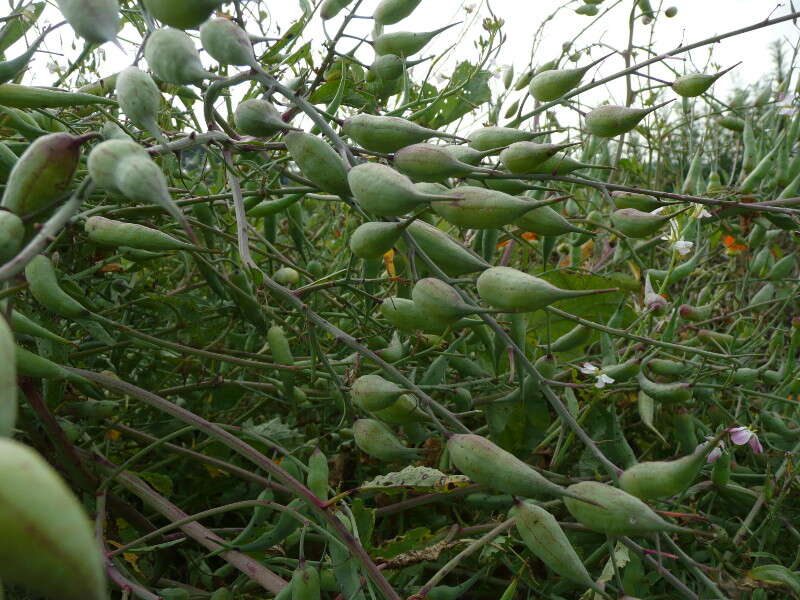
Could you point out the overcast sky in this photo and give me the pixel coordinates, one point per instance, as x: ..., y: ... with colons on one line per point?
x: 696, y: 19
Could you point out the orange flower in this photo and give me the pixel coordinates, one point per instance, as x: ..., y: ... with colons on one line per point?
x: 732, y: 247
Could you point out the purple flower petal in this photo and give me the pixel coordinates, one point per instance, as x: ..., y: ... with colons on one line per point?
x: 740, y: 435
x: 756, y: 445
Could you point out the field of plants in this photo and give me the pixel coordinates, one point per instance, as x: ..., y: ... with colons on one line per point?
x: 294, y: 307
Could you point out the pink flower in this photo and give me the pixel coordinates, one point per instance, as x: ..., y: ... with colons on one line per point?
x: 715, y: 453
x: 744, y: 435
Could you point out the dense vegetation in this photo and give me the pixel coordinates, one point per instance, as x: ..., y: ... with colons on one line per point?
x: 296, y: 317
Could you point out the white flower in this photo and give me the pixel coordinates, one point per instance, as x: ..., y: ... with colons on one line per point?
x: 700, y: 212
x: 601, y: 378
x: 683, y: 247
x: 786, y: 105
x: 52, y: 66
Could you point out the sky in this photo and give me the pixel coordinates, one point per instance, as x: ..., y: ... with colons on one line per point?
x: 696, y: 19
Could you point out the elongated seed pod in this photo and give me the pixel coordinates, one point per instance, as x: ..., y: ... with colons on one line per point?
x: 132, y: 235
x: 487, y: 138
x: 551, y: 84
x: 8, y: 380
x: 696, y: 84
x: 331, y: 8
x: 388, y: 134
x: 662, y: 479
x: 305, y: 582
x: 389, y: 12
x: 383, y: 191
x: 44, y: 287
x: 405, y: 43
x: 258, y: 118
x: 641, y: 202
x: 374, y: 239
x: 546, y: 221
x: 451, y: 256
x: 22, y: 324
x: 183, y: 14
x: 426, y: 162
x: 171, y: 55
x: 96, y: 21
x: 544, y: 537
x: 282, y: 354
x: 637, y: 224
x: 318, y: 161
x: 373, y: 392
x: 62, y: 560
x: 12, y: 233
x: 575, y: 337
x: 611, y: 121
x: 405, y: 315
x: 615, y: 511
x: 42, y: 174
x: 480, y: 208
x: 375, y: 439
x: 512, y: 290
x: 441, y: 300
x: 227, y: 43
x: 139, y: 98
x: 563, y: 165
x: 486, y: 463
x: 23, y: 96
x: 524, y: 157
x: 665, y: 392
x: 318, y: 474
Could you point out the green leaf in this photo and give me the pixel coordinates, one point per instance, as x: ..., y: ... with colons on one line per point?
x: 159, y: 482
x: 414, y: 539
x: 16, y: 28
x: 776, y: 575
x: 474, y: 93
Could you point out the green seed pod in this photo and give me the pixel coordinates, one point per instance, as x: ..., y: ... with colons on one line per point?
x: 139, y: 98
x: 282, y: 354
x: 721, y: 472
x: 33, y: 365
x: 663, y: 479
x: 125, y: 167
x: 616, y: 512
x: 479, y: 208
x: 375, y: 439
x: 451, y: 256
x: 318, y: 474
x: 183, y: 14
x: 547, y: 541
x: 745, y: 376
x: 42, y: 174
x: 331, y: 8
x: 62, y: 560
x: 403, y: 412
x: 171, y: 55
x: 488, y: 464
x: 670, y: 393
x: 373, y: 392
x: 469, y: 155
x: 637, y: 224
x: 623, y: 371
x: 732, y: 123
x: 550, y: 84
x: 8, y: 380
x: 405, y: 43
x: 227, y: 43
x: 221, y: 594
x: 44, y: 287
x: 714, y: 338
x: 22, y: 324
x: 610, y: 121
x: 564, y: 165
x: 318, y: 161
x: 286, y: 276
x: 112, y: 131
x: 116, y: 233
x: 389, y: 12
x: 259, y: 118
x: 489, y: 138
x: 426, y: 162
x: 12, y: 233
x: 671, y: 12
x: 512, y: 290
x: 546, y: 221
x: 374, y: 239
x: 587, y: 9
x: 389, y: 67
x: 388, y: 134
x: 669, y: 368
x: 405, y: 315
x: 286, y: 525
x: 696, y: 84
x: 174, y: 593
x: 22, y: 96
x: 575, y: 337
x: 696, y: 313
x: 305, y: 582
x: 384, y: 192
x: 641, y: 202
x: 524, y: 157
x: 441, y: 300
x: 96, y: 21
